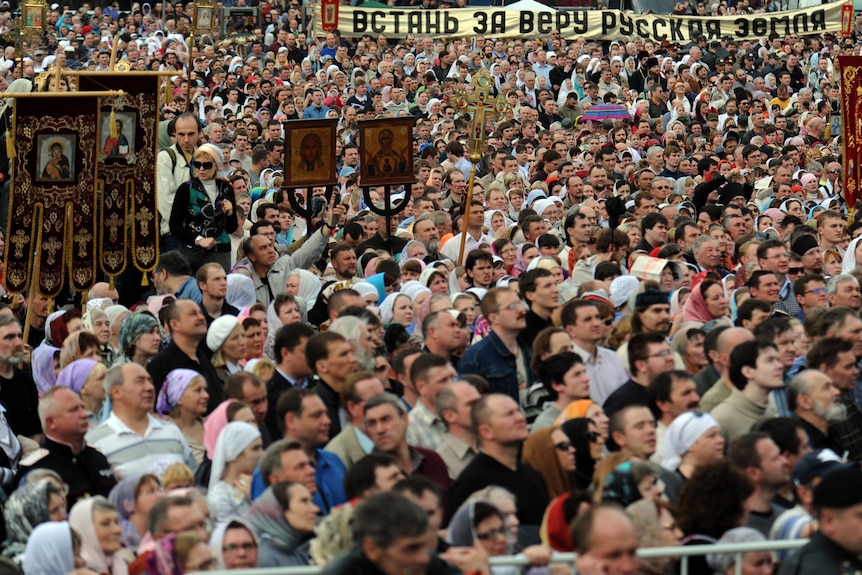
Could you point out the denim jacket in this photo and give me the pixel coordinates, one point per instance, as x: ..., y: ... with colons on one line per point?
x: 491, y: 359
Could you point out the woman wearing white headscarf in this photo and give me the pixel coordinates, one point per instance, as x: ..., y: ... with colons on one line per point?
x: 305, y: 285
x: 116, y: 315
x: 240, y: 291
x: 851, y: 259
x: 241, y: 555
x: 237, y: 453
x: 693, y: 439
x: 98, y: 523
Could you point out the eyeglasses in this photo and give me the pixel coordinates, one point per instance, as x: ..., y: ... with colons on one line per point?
x: 592, y: 436
x: 234, y: 547
x: 835, y: 171
x: 817, y: 290
x: 795, y: 271
x: 203, y: 165
x: 663, y: 353
x: 564, y: 445
x: 516, y: 306
x: 609, y: 321
x: 491, y: 534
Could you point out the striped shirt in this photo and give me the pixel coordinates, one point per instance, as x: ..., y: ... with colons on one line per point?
x: 131, y: 454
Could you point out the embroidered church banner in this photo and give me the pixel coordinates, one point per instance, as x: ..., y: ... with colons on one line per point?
x: 850, y: 68
x: 127, y: 220
x: 53, y: 194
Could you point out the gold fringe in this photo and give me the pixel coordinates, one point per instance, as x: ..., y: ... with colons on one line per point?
x: 10, y: 144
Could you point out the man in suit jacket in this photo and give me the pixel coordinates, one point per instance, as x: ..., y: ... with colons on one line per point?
x: 351, y: 444
x: 292, y: 369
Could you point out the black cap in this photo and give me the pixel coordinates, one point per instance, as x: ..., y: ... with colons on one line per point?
x: 839, y: 489
x: 748, y: 56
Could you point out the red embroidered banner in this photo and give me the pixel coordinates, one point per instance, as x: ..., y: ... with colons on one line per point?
x: 53, y: 195
x: 851, y: 124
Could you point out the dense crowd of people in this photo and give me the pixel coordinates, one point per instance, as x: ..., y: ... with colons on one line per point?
x: 651, y: 338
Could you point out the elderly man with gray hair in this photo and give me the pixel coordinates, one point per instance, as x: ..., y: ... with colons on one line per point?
x: 814, y: 399
x: 844, y: 291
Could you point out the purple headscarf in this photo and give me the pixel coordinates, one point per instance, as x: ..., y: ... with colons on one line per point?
x: 175, y: 385
x: 75, y: 375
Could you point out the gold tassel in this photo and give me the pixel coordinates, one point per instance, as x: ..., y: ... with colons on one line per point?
x: 144, y: 282
x: 111, y: 283
x: 114, y: 134
x: 10, y: 144
x: 84, y: 300
x: 169, y: 92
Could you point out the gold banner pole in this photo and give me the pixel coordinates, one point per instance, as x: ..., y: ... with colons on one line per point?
x: 38, y: 95
x: 114, y: 51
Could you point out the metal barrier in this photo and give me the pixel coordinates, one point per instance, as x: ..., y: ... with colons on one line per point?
x: 739, y: 549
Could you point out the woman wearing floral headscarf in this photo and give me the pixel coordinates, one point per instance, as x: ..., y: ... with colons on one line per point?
x: 184, y: 398
x: 28, y: 507
x: 178, y: 553
x: 140, y: 338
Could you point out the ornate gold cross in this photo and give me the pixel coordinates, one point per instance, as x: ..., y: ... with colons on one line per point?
x: 481, y: 106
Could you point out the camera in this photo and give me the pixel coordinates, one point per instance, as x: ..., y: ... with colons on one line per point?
x: 318, y: 203
x: 743, y: 172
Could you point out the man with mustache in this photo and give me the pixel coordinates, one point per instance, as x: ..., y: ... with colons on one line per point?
x: 132, y: 438
x: 18, y: 396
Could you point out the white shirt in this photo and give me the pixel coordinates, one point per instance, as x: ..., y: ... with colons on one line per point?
x: 606, y: 372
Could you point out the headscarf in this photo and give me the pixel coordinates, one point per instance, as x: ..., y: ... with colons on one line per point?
x: 540, y: 453
x: 123, y: 496
x: 309, y: 287
x: 57, y: 327
x: 213, y: 425
x: 49, y: 550
x: 26, y: 508
x: 240, y: 291
x: 42, y: 361
x: 462, y: 529
x: 682, y: 433
x: 232, y: 441
x: 377, y: 281
x: 92, y: 315
x: 267, y: 518
x: 134, y: 327
x: 412, y: 289
x: 366, y: 289
x: 217, y: 538
x: 99, y: 303
x: 585, y: 465
x: 849, y: 263
x: 81, y: 518
x: 75, y: 375
x: 621, y: 486
x: 114, y: 312
x: 164, y: 560
x: 172, y: 390
x: 520, y: 264
x: 575, y: 410
x: 387, y: 305
x: 695, y: 307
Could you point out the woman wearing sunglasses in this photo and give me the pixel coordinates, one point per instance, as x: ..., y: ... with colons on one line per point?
x: 203, y: 214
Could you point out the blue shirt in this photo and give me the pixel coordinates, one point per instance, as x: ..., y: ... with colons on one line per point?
x: 492, y: 360
x: 313, y: 113
x: 190, y: 290
x: 328, y: 476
